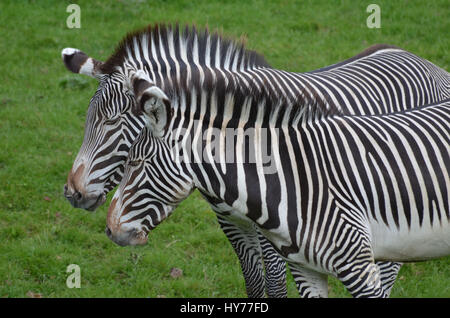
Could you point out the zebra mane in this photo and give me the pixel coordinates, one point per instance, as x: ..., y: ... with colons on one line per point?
x: 165, y: 35
x: 223, y: 52
x: 306, y: 106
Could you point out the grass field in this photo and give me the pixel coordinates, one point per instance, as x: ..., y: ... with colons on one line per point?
x: 42, y: 113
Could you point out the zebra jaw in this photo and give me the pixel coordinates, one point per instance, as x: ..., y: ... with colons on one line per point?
x: 101, y: 199
x: 129, y: 237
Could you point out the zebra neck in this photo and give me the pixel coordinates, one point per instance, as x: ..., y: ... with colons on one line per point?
x: 220, y: 99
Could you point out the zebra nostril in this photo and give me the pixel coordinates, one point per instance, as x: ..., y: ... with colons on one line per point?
x: 65, y: 188
x: 108, y: 232
x: 77, y: 196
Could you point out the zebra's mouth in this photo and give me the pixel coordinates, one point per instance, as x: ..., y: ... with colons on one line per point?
x: 126, y: 238
x: 100, y: 200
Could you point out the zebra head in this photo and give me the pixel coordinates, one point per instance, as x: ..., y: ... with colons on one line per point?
x: 167, y: 54
x: 153, y: 183
x: 112, y: 124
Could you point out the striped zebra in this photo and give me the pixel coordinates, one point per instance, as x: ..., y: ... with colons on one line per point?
x: 346, y: 191
x: 380, y: 79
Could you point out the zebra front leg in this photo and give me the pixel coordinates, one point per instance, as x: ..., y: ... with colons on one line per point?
x: 310, y: 284
x: 362, y: 280
x: 388, y: 275
x: 275, y: 270
x: 354, y: 262
x: 246, y: 245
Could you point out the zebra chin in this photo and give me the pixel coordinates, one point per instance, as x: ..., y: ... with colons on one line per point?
x: 98, y: 202
x: 87, y: 202
x: 126, y: 238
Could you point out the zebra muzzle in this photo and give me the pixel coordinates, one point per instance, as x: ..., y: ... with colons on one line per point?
x: 78, y: 200
x: 125, y: 238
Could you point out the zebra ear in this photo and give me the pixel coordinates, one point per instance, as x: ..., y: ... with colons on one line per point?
x: 156, y: 107
x: 152, y: 101
x: 77, y: 61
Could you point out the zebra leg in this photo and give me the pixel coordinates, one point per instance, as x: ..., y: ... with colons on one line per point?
x: 362, y: 279
x: 388, y: 275
x: 354, y: 262
x: 275, y: 270
x: 310, y: 284
x: 245, y: 243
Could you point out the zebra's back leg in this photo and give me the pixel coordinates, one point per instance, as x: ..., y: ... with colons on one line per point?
x: 245, y: 243
x: 275, y: 270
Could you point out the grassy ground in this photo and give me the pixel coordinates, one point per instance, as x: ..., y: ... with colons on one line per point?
x: 42, y: 112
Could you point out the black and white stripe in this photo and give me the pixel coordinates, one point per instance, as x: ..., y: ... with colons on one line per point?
x: 348, y: 190
x: 380, y: 80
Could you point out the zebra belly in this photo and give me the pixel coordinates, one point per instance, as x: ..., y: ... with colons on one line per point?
x: 409, y: 245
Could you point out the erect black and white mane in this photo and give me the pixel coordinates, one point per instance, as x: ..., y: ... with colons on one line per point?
x: 188, y: 59
x: 189, y: 46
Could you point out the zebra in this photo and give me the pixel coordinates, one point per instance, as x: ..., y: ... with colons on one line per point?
x: 346, y: 191
x: 381, y: 75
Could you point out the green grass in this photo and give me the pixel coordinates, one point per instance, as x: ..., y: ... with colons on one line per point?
x: 42, y: 112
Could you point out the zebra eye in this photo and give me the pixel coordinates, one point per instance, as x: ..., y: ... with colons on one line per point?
x: 112, y: 121
x: 134, y: 163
